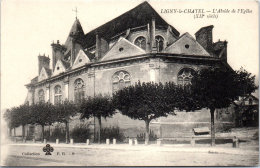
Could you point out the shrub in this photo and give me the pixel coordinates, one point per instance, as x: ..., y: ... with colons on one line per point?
x: 110, y: 133
x: 152, y: 136
x: 80, y: 133
x: 57, y: 133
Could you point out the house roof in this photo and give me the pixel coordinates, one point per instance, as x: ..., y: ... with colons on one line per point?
x: 34, y: 80
x: 246, y: 99
x: 89, y: 54
x: 66, y: 64
x: 138, y: 16
x: 49, y: 71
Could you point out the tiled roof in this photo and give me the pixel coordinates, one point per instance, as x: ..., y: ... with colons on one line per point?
x: 89, y: 54
x: 138, y: 16
x: 49, y: 71
x: 34, y: 80
x: 66, y: 64
x: 76, y: 30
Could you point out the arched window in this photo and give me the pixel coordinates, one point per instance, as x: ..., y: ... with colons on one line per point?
x: 79, y: 90
x: 57, y: 94
x: 120, y: 80
x: 141, y: 42
x: 185, y: 75
x: 159, y: 43
x: 41, y: 96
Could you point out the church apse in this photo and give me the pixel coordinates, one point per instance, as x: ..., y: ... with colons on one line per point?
x: 139, y: 46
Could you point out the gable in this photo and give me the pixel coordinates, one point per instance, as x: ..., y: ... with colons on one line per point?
x: 122, y: 49
x: 251, y: 100
x: 187, y: 45
x: 81, y: 59
x: 59, y: 68
x: 43, y: 74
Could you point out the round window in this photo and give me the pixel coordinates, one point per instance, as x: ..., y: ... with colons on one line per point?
x: 121, y: 49
x: 187, y: 46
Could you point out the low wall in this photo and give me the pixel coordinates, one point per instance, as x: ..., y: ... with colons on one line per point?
x: 179, y: 125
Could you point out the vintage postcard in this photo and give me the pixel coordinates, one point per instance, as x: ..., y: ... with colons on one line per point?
x: 129, y: 83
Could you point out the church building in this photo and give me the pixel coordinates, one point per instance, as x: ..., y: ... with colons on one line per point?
x: 138, y: 45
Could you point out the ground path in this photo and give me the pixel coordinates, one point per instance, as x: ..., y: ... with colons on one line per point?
x: 125, y: 155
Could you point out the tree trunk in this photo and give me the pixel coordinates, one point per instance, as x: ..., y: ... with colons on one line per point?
x: 14, y: 132
x: 23, y: 131
x: 147, y: 132
x: 94, y: 129
x: 49, y: 132
x: 10, y: 132
x: 99, y: 131
x: 212, y: 127
x: 67, y: 131
x: 42, y: 133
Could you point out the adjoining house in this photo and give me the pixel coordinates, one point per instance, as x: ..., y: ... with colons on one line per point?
x: 137, y: 45
x: 247, y: 111
x: 243, y: 112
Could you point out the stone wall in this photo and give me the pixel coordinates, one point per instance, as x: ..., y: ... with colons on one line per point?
x: 98, y: 79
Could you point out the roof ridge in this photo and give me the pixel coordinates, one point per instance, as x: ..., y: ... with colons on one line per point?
x: 141, y: 14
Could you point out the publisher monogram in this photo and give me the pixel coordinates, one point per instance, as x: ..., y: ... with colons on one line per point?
x: 48, y: 149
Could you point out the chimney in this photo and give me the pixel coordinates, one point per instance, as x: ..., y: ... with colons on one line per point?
x: 43, y: 61
x: 57, y: 53
x: 204, y: 37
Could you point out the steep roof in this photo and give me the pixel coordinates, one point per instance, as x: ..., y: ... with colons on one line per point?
x: 138, y: 16
x: 49, y: 71
x: 77, y: 33
x: 76, y: 30
x: 34, y: 80
x: 89, y: 54
x: 66, y: 64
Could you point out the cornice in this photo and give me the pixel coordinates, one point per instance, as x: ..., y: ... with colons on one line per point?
x: 122, y: 60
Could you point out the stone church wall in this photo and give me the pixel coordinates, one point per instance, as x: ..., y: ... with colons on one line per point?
x: 144, y: 70
x: 169, y: 71
x: 87, y: 82
x: 103, y: 77
x: 168, y: 38
x: 36, y: 98
x: 52, y: 86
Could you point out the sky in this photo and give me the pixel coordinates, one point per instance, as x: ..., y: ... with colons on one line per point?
x: 28, y: 28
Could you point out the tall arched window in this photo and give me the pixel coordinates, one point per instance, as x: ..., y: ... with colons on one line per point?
x: 185, y: 75
x: 159, y: 43
x: 41, y: 96
x: 57, y: 94
x: 141, y: 42
x: 79, y: 90
x: 120, y: 80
